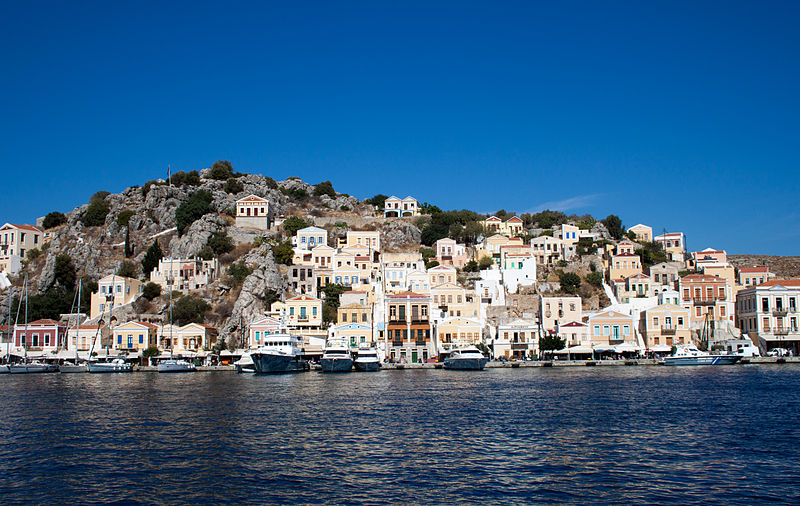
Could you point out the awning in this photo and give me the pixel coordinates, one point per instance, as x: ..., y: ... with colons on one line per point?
x: 603, y: 349
x: 625, y: 348
x: 581, y: 349
x: 660, y: 348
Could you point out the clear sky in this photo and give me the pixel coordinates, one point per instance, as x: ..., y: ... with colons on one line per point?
x: 680, y: 115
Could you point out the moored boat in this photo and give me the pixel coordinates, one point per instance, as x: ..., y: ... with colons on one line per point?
x: 32, y: 368
x: 690, y: 355
x: 336, y: 357
x: 116, y: 365
x: 176, y: 365
x: 69, y: 367
x: 466, y: 359
x: 280, y: 353
x: 245, y: 364
x: 367, y: 360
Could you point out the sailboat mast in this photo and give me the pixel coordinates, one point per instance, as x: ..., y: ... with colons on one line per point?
x: 26, y: 318
x: 77, y: 322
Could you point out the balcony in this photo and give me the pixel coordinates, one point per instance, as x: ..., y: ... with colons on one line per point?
x: 668, y: 331
x: 397, y: 343
x: 397, y: 323
x: 779, y: 312
x: 708, y: 301
x: 420, y: 342
x: 781, y: 332
x: 420, y: 321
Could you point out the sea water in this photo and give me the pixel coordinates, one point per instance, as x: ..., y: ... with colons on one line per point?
x: 598, y: 435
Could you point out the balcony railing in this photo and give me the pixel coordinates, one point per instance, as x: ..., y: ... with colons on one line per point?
x: 708, y: 301
x: 779, y: 312
x: 420, y: 321
x: 397, y: 343
x: 668, y: 331
x: 781, y: 332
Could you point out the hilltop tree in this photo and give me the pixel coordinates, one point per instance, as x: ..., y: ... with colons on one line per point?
x: 293, y: 224
x: 378, y: 200
x: 614, y: 225
x: 570, y: 282
x: 54, y: 219
x: 221, y: 170
x: 151, y: 258
x: 126, y: 269
x: 324, y: 188
x: 95, y: 214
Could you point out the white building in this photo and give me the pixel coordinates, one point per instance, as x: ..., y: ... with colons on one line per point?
x: 253, y: 212
x: 186, y: 273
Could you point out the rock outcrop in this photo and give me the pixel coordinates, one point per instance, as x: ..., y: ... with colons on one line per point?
x: 399, y: 235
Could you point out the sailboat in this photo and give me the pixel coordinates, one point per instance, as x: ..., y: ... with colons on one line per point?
x: 109, y: 366
x: 29, y: 367
x: 4, y: 368
x: 172, y: 364
x: 74, y: 367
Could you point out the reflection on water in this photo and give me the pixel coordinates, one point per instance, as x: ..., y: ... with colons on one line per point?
x: 551, y: 435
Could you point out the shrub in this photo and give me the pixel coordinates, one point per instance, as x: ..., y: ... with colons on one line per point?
x: 64, y: 271
x: 151, y: 290
x: 191, y: 178
x: 54, y: 219
x: 220, y: 243
x: 344, y: 208
x: 33, y: 254
x: 485, y: 263
x: 97, y: 211
x: 238, y: 271
x: 471, y: 266
x: 378, y: 200
x: 614, y: 226
x: 570, y: 282
x: 151, y: 258
x: 427, y: 253
x: 270, y: 183
x: 324, y: 188
x: 295, y: 193
x: 221, y: 170
x: 431, y: 264
x: 293, y: 224
x: 197, y: 205
x: 189, y: 309
x: 283, y: 253
x: 124, y: 217
x: 126, y: 269
x: 102, y: 194
x: 233, y: 186
x: 595, y: 278
x: 340, y: 224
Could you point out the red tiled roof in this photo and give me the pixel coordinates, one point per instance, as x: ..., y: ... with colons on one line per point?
x: 753, y: 269
x: 701, y: 277
x: 26, y: 227
x: 788, y: 283
x: 42, y: 322
x: 408, y: 294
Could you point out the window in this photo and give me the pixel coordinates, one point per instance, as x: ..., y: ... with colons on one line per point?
x: 655, y: 321
x: 141, y: 338
x: 606, y: 330
x: 258, y: 336
x: 344, y: 317
x: 722, y: 311
x: 626, y: 330
x: 765, y: 304
x: 766, y: 323
x: 314, y: 311
x: 680, y: 321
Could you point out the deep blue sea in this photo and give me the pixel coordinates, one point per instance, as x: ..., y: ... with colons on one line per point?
x: 599, y: 435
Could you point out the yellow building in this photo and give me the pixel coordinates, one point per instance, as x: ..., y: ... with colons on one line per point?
x: 458, y: 332
x: 354, y: 313
x: 624, y: 266
x: 134, y: 336
x: 356, y: 335
x: 303, y: 313
x: 113, y: 292
x: 509, y: 228
x: 452, y: 300
x: 643, y: 233
x: 370, y: 239
x: 666, y: 324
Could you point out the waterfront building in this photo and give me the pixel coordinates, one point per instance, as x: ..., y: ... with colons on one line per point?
x: 185, y: 273
x: 40, y: 335
x: 554, y: 311
x: 611, y: 328
x: 394, y: 207
x: 15, y: 242
x: 516, y: 339
x: 86, y: 337
x: 112, y: 292
x: 356, y: 335
x: 665, y: 324
x: 303, y: 314
x: 253, y: 212
x: 575, y: 333
x: 260, y: 329
x: 707, y: 298
x: 458, y: 332
x: 643, y: 233
x: 134, y: 336
x: 768, y: 314
x: 408, y: 328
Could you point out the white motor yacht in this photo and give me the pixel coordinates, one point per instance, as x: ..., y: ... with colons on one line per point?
x: 467, y: 359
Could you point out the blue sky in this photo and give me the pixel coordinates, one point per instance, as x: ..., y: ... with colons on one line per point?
x: 681, y: 115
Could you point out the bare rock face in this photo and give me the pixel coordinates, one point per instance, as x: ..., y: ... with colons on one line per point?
x: 340, y: 203
x: 250, y: 304
x: 196, y: 236
x: 601, y: 230
x: 400, y: 235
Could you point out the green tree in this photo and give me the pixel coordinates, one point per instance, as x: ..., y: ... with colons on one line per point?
x: 431, y: 264
x: 614, y: 226
x: 220, y: 243
x: 238, y: 271
x: 54, y: 219
x: 233, y: 186
x: 150, y: 352
x: 378, y: 200
x: 189, y: 309
x: 96, y: 212
x: 570, y: 282
x: 332, y: 292
x: 427, y: 253
x: 485, y: 263
x: 551, y: 342
x: 151, y: 258
x: 124, y: 217
x: 128, y: 247
x: 64, y: 271
x: 126, y: 269
x: 595, y: 278
x: 472, y: 230
x: 270, y: 297
x: 221, y: 170
x: 293, y: 224
x: 151, y: 290
x: 197, y: 205
x: 283, y: 253
x: 324, y: 188
x: 471, y: 266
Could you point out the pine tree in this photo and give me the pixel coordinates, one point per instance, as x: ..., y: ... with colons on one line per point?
x: 151, y: 258
x: 128, y: 248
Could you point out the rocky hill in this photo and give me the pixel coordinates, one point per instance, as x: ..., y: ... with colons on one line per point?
x: 783, y: 267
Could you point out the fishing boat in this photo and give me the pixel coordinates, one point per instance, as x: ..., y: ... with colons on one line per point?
x: 279, y: 353
x: 469, y: 358
x: 690, y: 355
x: 367, y: 360
x: 336, y: 357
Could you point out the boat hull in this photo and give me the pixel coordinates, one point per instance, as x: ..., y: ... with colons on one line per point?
x: 32, y: 369
x: 465, y: 364
x: 336, y: 364
x: 4, y: 369
x: 176, y: 368
x: 245, y: 368
x: 268, y: 363
x: 103, y: 368
x: 72, y: 368
x: 367, y: 366
x: 703, y: 360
